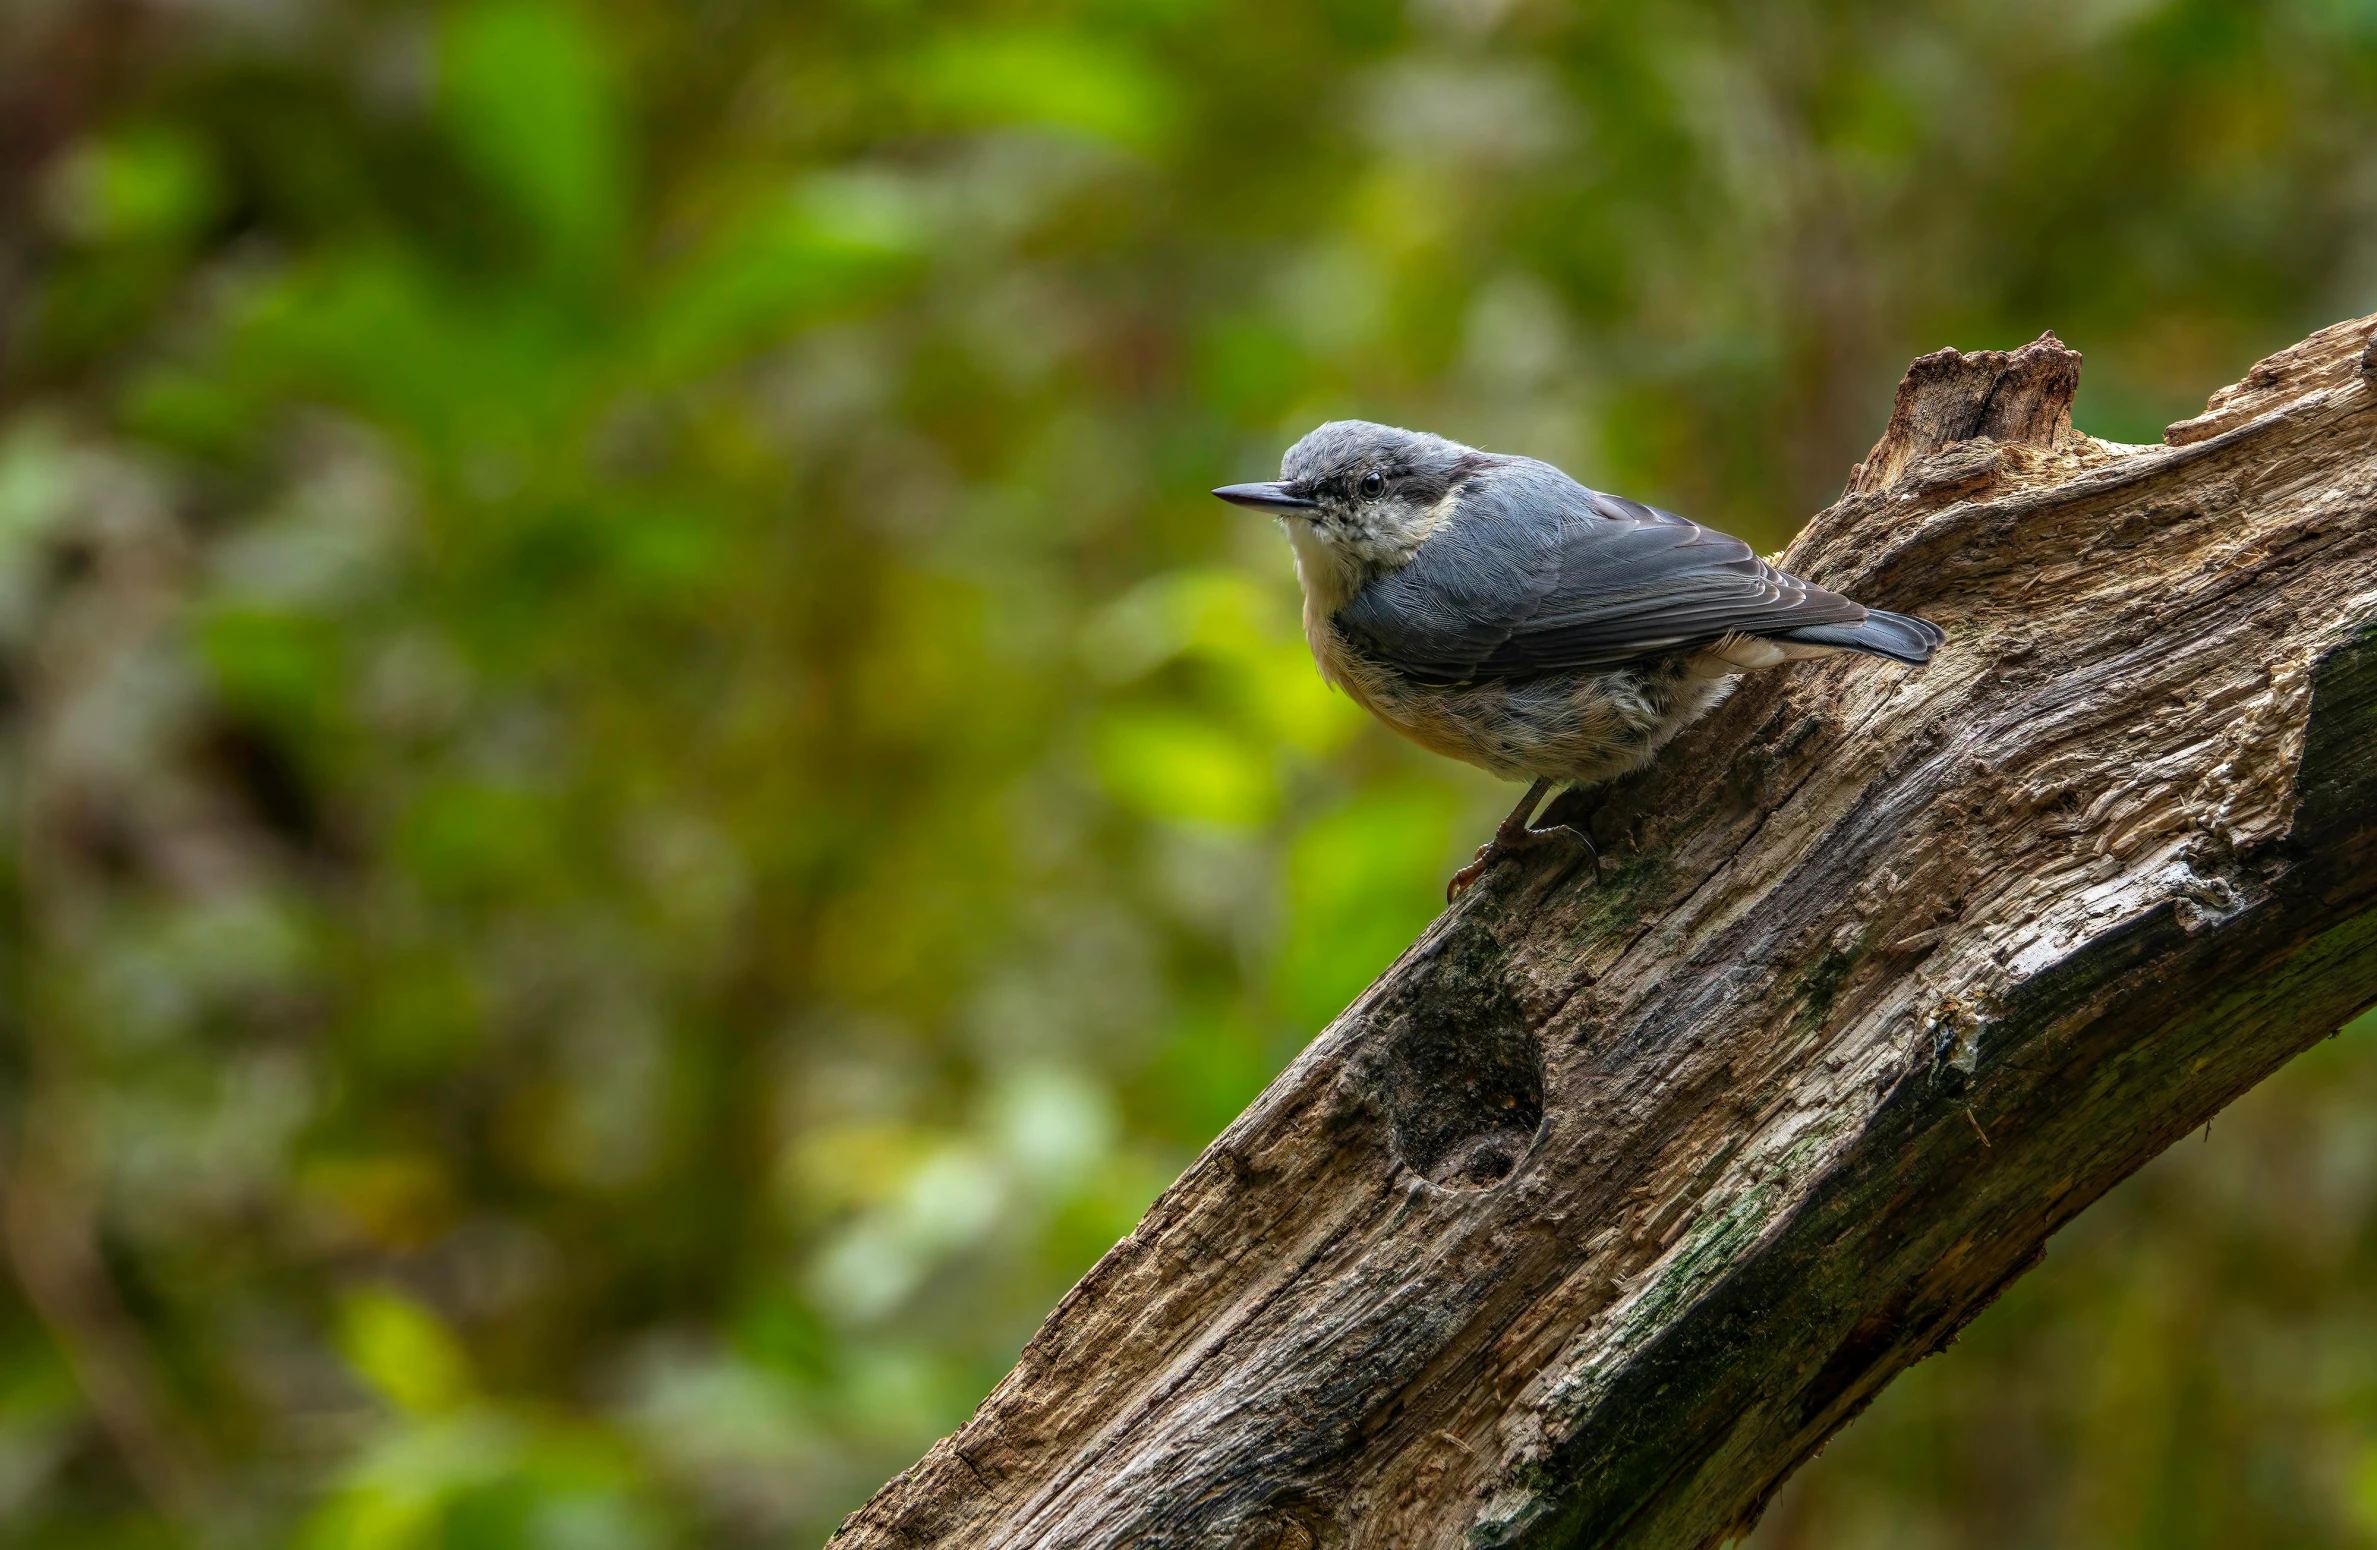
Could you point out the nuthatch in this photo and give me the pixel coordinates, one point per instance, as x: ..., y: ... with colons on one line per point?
x: 1493, y: 609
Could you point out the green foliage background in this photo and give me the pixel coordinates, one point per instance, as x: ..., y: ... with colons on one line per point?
x: 648, y: 803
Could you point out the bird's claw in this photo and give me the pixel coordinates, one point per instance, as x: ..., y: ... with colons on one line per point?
x: 1510, y: 842
x: 1468, y: 875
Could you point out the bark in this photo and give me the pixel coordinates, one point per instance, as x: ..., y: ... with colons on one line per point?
x: 1619, y: 1193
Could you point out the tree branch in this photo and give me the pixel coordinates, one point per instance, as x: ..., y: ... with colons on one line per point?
x: 1617, y: 1195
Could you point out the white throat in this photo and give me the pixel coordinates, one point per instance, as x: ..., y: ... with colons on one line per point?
x: 1336, y: 559
x: 1328, y: 572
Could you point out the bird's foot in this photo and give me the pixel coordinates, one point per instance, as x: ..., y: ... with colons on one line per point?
x: 1515, y: 839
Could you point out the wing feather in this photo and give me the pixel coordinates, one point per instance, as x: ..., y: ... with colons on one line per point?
x: 1536, y: 574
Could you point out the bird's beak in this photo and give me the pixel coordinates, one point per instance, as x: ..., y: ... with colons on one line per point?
x: 1275, y: 496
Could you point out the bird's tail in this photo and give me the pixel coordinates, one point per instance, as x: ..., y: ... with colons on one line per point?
x: 1900, y: 637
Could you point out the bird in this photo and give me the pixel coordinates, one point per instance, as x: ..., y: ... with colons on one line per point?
x: 1491, y: 608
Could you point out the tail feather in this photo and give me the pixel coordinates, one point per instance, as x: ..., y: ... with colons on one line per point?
x: 1899, y: 637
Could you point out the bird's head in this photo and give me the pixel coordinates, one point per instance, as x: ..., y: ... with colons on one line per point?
x: 1358, y: 500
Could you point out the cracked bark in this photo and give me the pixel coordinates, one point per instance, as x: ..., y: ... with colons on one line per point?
x: 1618, y: 1194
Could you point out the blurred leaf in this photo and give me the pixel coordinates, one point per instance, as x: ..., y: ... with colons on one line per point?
x: 1180, y: 767
x: 1046, y: 77
x: 789, y: 258
x: 396, y: 1201
x: 526, y: 95
x: 1054, y: 1126
x: 150, y: 184
x: 403, y: 1351
x: 836, y: 1167
x: 281, y: 666
x: 1362, y: 880
x: 948, y: 1203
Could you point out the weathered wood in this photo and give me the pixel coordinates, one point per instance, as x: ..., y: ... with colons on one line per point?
x: 1989, y: 395
x: 1617, y: 1195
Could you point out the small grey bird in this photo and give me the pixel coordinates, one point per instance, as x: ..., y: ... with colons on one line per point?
x: 1495, y: 610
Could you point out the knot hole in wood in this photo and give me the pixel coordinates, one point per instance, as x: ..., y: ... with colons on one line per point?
x: 1465, y: 1096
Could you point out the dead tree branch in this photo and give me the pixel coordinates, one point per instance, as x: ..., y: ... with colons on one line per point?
x: 1617, y: 1195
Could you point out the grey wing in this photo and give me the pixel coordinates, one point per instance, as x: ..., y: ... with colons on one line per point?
x: 1638, y: 582
x: 1543, y: 578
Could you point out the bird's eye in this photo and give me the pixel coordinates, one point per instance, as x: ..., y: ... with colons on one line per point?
x: 1374, y: 484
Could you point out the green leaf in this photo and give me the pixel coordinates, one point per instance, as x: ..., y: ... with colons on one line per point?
x: 150, y: 184
x: 403, y: 1351
x: 1046, y: 78
x: 1362, y: 881
x: 527, y: 98
x: 1169, y: 764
